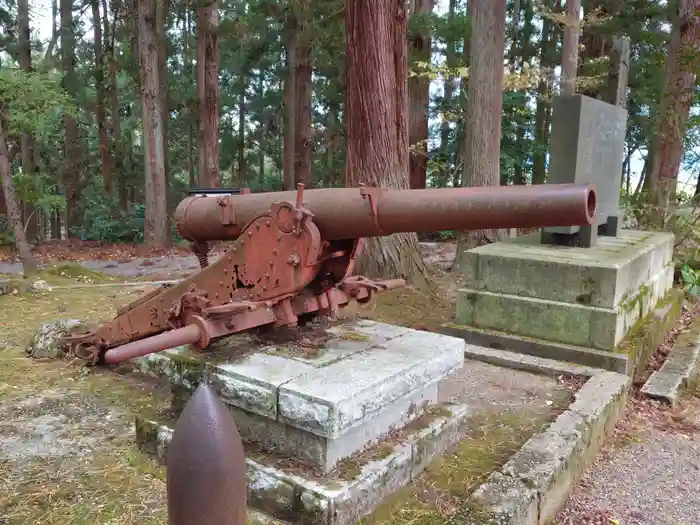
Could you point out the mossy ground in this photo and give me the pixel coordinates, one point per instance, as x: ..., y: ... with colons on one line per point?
x: 113, y: 483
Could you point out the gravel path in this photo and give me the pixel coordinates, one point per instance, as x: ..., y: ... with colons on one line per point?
x: 652, y: 480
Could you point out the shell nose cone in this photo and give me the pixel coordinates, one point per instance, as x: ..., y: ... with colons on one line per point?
x: 206, y: 473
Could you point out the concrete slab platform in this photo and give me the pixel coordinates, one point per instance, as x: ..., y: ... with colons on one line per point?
x: 324, y: 401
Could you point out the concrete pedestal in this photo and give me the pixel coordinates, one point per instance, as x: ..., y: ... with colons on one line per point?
x: 589, y: 297
x: 362, y: 394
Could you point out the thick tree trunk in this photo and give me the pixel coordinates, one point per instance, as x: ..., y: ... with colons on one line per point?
x: 419, y: 99
x: 30, y: 217
x: 208, y: 91
x: 13, y: 212
x: 485, y: 102
x: 377, y: 123
x: 71, y: 168
x: 303, y: 136
x: 290, y: 107
x: 107, y: 173
x: 156, y: 231
x: 676, y: 99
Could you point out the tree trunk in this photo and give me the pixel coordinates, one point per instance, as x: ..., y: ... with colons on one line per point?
x: 107, y: 173
x: 676, y: 98
x: 377, y: 123
x: 303, y: 136
x: 539, y: 156
x: 484, y: 106
x: 14, y: 218
x: 71, y: 168
x: 242, y: 168
x: 450, y: 60
x: 569, y: 61
x: 208, y: 91
x: 156, y: 231
x: 27, y: 144
x: 290, y: 107
x: 419, y: 100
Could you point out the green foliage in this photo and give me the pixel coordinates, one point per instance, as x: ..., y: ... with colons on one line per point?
x: 32, y: 101
x: 102, y: 223
x: 691, y: 280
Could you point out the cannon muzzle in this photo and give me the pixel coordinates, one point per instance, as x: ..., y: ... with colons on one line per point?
x: 352, y: 213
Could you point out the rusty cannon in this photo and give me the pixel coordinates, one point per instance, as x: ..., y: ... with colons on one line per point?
x: 292, y: 256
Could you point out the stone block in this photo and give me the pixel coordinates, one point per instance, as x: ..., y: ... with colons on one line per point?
x: 323, y: 406
x: 576, y: 296
x: 680, y: 369
x: 542, y: 473
x: 602, y: 276
x: 588, y: 141
x: 342, y: 497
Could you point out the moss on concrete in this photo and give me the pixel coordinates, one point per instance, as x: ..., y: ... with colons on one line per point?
x: 648, y: 332
x: 447, y: 484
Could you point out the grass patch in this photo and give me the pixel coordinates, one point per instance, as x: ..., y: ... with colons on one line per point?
x: 446, y: 484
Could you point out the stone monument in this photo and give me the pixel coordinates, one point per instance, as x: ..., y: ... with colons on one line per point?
x: 588, y: 141
x: 566, y: 293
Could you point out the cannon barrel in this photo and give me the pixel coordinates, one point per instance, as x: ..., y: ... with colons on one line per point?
x: 351, y: 213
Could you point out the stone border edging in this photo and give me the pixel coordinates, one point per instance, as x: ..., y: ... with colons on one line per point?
x: 535, y: 483
x: 680, y: 371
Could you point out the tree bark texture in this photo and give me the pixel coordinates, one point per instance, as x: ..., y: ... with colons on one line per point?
x: 107, y: 173
x: 290, y: 107
x: 208, y: 92
x: 156, y: 231
x: 485, y: 94
x: 377, y: 123
x: 13, y: 212
x: 71, y: 168
x: 448, y: 90
x: 419, y: 99
x: 676, y: 99
x: 547, y: 42
x: 303, y: 135
x: 569, y: 60
x: 27, y: 144
x: 484, y: 105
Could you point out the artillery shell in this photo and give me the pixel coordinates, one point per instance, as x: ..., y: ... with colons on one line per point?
x: 206, y: 477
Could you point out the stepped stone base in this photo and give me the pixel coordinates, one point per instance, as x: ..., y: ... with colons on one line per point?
x: 356, y: 488
x: 589, y: 297
x: 319, y: 396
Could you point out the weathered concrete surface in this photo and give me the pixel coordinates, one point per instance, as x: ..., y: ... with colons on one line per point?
x: 339, y: 501
x: 291, y: 493
x: 579, y: 296
x: 479, y: 340
x: 322, y: 404
x: 630, y: 357
x: 534, y: 484
x: 679, y: 371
